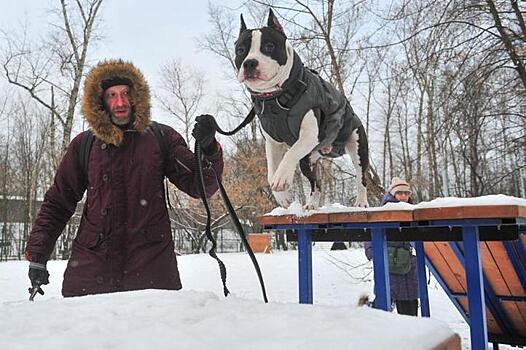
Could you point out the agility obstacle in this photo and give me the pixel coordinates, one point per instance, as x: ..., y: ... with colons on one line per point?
x: 476, y: 252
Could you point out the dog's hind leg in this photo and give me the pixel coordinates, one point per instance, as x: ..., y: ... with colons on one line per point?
x: 358, y: 149
x: 308, y: 168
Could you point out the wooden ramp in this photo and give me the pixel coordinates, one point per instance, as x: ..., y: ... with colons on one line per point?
x: 503, y: 270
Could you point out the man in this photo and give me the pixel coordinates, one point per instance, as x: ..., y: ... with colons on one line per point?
x: 124, y: 240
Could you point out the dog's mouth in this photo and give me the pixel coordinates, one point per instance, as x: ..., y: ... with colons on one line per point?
x: 250, y: 76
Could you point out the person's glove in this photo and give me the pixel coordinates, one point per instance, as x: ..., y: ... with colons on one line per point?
x: 38, y: 274
x: 204, y: 133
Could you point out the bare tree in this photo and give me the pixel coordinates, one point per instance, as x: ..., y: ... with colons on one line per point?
x: 181, y: 91
x: 51, y: 72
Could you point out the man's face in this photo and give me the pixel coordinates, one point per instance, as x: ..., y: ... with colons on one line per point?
x: 117, y: 100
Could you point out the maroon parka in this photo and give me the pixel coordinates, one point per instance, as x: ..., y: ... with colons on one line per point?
x: 124, y: 240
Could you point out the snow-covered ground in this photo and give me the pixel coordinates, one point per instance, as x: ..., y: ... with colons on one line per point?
x: 199, y: 317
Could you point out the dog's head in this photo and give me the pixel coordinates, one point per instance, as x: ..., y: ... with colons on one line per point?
x: 263, y: 56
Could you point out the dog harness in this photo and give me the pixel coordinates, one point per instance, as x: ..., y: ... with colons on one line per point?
x: 282, y: 112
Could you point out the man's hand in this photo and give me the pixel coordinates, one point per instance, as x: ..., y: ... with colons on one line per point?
x: 38, y: 275
x: 204, y: 133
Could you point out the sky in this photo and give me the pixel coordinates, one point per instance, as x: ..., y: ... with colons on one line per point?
x: 146, y: 33
x: 199, y: 317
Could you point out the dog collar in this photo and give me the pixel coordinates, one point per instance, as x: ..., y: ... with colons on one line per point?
x: 266, y: 95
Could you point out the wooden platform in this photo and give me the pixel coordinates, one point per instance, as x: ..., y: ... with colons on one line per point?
x: 370, y: 216
x: 502, y: 259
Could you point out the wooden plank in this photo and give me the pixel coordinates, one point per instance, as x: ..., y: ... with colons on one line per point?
x: 276, y: 220
x: 451, y: 343
x: 502, y: 278
x: 318, y: 218
x: 470, y: 212
x: 493, y: 326
x: 269, y: 220
x: 348, y: 217
x: 390, y: 215
x: 510, y: 279
x: 447, y: 265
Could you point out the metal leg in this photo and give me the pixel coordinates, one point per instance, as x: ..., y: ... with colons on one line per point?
x: 477, y: 304
x: 305, y: 266
x: 381, y: 270
x: 495, y: 346
x: 422, y: 282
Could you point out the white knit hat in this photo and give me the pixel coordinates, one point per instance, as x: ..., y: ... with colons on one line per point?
x: 399, y: 185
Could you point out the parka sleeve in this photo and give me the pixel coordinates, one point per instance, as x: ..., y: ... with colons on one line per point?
x: 60, y: 202
x: 182, y: 169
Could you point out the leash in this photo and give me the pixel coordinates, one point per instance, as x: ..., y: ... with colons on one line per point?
x: 228, y: 205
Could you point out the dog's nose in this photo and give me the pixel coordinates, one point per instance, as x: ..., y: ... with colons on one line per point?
x: 250, y: 64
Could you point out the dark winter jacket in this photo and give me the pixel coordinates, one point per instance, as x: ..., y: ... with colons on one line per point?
x: 336, y: 119
x: 403, y: 287
x: 124, y: 240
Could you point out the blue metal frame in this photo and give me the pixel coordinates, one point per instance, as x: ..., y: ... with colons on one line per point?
x: 382, y: 288
x: 477, y: 311
x: 422, y: 280
x: 511, y: 248
x: 305, y: 266
x: 469, y: 256
x: 492, y: 301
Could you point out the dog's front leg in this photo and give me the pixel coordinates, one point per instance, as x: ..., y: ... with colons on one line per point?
x: 307, y: 140
x: 274, y: 152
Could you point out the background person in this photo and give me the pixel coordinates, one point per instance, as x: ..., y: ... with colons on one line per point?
x: 404, y: 287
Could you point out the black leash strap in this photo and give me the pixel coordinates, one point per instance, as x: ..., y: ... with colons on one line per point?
x: 230, y: 209
x: 208, y: 231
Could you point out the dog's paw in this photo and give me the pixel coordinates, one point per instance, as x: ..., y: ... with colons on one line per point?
x: 282, y: 179
x: 284, y: 198
x: 313, y: 202
x: 361, y: 204
x: 361, y: 201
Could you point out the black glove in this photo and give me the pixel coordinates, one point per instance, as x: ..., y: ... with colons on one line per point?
x: 204, y: 133
x: 38, y: 273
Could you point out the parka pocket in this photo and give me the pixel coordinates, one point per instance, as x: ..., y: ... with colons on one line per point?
x: 88, y: 235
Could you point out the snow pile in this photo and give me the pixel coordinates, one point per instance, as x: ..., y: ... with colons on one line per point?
x: 498, y: 199
x: 154, y: 319
x: 199, y: 317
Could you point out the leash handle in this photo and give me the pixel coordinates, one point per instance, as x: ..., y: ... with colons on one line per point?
x: 230, y: 208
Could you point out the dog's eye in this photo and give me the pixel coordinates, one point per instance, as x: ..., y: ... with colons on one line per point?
x: 268, y: 47
x: 240, y: 50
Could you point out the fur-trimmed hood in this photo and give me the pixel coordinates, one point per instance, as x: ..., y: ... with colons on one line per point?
x: 93, y: 109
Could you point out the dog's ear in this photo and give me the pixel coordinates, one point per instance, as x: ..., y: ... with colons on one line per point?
x: 274, y: 23
x: 243, y: 25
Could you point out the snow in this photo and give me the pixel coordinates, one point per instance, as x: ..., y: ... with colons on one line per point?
x: 497, y: 199
x: 199, y: 317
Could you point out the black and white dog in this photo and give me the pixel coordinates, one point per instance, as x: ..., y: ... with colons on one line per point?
x: 299, y: 109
